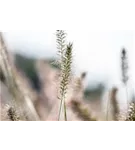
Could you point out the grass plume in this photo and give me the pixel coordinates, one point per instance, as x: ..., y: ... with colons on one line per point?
x: 131, y: 112
x: 124, y: 66
x: 65, y: 61
x: 65, y: 76
x: 81, y: 111
x: 115, y: 105
x: 124, y: 70
x: 12, y: 114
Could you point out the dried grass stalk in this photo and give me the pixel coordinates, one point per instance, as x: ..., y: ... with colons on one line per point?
x: 20, y: 98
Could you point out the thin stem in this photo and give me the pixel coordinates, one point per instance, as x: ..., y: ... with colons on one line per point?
x: 127, y: 97
x: 61, y: 101
x: 108, y: 106
x: 65, y: 111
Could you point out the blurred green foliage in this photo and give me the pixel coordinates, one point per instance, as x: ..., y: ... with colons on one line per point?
x: 27, y: 65
x: 93, y: 92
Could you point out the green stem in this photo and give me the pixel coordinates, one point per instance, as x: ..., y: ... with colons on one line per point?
x: 62, y: 100
x: 65, y: 111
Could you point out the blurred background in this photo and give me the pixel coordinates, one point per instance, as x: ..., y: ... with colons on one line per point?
x: 97, y: 54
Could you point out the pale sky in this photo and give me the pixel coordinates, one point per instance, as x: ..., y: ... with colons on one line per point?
x: 98, y: 53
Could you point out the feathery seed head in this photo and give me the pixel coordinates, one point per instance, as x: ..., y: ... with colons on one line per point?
x: 124, y: 66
